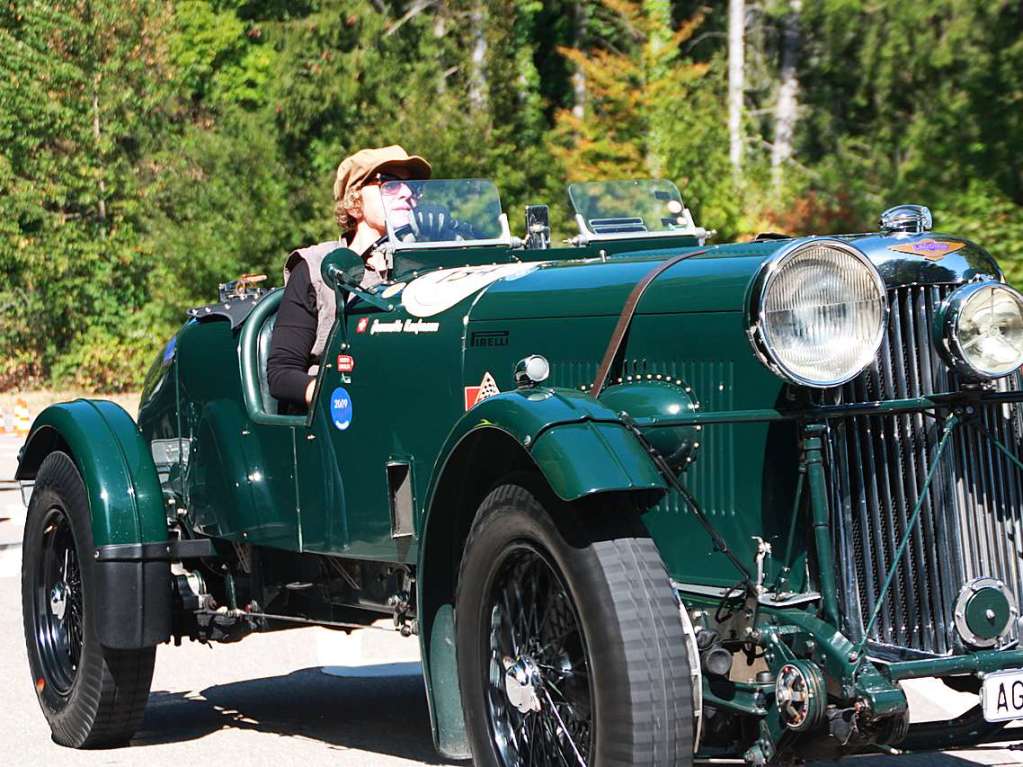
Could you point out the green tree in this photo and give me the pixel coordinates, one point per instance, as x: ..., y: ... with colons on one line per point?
x: 930, y: 116
x: 74, y: 116
x: 150, y: 150
x: 219, y: 58
x: 637, y: 93
x: 221, y: 203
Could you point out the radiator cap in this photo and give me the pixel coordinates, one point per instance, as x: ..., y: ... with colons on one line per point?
x: 912, y: 219
x: 984, y: 612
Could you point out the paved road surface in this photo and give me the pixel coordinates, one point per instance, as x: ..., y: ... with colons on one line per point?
x: 308, y: 696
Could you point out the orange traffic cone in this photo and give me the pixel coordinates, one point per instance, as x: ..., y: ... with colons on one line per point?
x: 22, y: 419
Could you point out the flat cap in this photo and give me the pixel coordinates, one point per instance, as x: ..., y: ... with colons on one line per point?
x: 358, y: 168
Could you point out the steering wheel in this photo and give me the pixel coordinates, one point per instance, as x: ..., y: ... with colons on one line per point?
x: 399, y: 234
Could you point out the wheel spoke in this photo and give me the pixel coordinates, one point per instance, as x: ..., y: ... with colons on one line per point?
x: 539, y: 690
x: 506, y: 620
x: 532, y: 737
x: 547, y: 648
x: 571, y: 673
x: 564, y: 730
x: 550, y: 608
x: 520, y: 612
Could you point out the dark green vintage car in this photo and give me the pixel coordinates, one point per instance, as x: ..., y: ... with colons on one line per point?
x: 640, y: 498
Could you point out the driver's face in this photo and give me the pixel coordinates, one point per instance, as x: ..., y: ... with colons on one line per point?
x: 378, y: 202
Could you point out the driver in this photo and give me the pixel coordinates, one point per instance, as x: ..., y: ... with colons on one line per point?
x: 307, y: 308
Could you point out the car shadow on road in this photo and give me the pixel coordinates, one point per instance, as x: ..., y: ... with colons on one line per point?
x: 376, y: 710
x: 384, y: 714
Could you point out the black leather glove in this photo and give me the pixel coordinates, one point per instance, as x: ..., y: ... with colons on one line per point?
x: 432, y: 222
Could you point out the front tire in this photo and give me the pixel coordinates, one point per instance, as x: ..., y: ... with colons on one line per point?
x: 90, y: 695
x: 569, y: 642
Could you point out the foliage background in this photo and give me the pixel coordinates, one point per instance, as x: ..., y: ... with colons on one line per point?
x: 151, y: 149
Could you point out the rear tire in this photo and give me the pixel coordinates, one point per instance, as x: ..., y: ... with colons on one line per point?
x: 91, y: 696
x: 569, y: 642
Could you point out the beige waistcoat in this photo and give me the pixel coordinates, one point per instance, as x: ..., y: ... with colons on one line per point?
x: 326, y: 306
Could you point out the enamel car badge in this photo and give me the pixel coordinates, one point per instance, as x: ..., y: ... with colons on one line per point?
x: 933, y: 250
x: 341, y: 408
x: 476, y: 394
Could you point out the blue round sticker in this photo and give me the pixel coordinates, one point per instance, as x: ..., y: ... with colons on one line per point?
x: 341, y: 408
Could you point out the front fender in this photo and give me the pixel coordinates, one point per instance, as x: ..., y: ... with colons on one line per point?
x: 579, y: 444
x: 131, y: 563
x: 581, y: 448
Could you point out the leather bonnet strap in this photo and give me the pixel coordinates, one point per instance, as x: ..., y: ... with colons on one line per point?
x: 625, y: 318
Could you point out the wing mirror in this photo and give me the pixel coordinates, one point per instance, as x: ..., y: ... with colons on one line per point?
x: 342, y: 268
x: 538, y: 227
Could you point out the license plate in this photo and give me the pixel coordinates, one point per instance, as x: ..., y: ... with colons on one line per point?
x: 1002, y: 696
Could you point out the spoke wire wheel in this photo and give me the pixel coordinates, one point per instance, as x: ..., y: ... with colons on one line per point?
x: 535, y: 631
x: 58, y: 603
x: 569, y: 645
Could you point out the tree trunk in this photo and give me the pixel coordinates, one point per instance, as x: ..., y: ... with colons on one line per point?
x: 477, y: 62
x: 736, y: 77
x: 439, y: 30
x: 578, y: 78
x: 785, y: 113
x: 99, y: 153
x: 659, y: 24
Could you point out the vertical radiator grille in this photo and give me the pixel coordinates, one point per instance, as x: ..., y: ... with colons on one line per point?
x: 970, y: 522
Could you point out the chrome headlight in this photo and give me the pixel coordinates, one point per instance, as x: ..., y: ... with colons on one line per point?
x: 817, y: 313
x: 980, y: 329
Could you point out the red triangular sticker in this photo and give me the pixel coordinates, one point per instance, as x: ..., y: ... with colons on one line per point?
x: 476, y: 394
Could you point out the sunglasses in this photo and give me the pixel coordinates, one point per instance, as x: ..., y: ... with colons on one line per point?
x: 383, y: 178
x: 404, y: 187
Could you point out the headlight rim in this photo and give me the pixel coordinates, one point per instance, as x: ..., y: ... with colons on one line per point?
x: 758, y: 292
x: 946, y: 325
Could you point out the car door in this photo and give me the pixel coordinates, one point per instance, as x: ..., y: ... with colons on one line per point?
x: 385, y: 402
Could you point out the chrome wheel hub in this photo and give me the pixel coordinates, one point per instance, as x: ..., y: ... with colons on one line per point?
x: 58, y: 600
x: 522, y: 682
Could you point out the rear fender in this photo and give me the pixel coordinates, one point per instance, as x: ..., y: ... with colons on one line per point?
x: 579, y: 446
x: 129, y: 524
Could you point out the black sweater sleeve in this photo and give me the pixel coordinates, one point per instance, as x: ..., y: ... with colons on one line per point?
x: 293, y: 339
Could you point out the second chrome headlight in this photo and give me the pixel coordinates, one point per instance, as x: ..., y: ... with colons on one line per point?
x: 817, y: 313
x: 980, y: 330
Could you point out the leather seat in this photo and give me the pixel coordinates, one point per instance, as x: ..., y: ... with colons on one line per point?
x: 253, y: 353
x: 270, y: 404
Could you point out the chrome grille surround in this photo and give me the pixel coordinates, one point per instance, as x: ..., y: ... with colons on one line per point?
x: 970, y: 524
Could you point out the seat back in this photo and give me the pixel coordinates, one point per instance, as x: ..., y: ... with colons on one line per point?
x: 253, y: 353
x: 270, y: 403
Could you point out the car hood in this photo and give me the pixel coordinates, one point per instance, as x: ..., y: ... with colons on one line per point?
x: 712, y: 280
